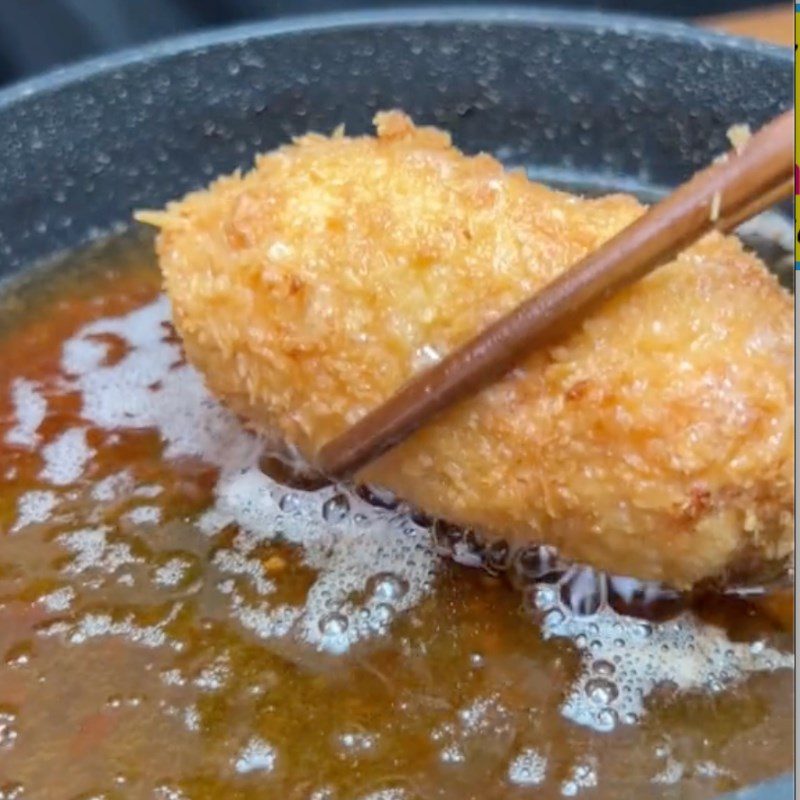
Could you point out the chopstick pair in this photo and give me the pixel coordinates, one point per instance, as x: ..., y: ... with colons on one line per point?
x: 747, y: 181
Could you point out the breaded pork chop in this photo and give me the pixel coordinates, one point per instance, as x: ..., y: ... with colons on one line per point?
x: 654, y: 441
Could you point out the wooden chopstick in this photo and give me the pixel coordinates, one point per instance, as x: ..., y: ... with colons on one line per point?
x: 782, y: 190
x: 721, y: 196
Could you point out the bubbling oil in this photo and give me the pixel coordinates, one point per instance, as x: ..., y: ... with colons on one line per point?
x: 124, y: 478
x: 374, y: 558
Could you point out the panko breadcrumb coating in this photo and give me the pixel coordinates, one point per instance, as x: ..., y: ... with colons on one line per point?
x: 655, y: 441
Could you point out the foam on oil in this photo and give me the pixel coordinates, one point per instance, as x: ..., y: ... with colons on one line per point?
x: 371, y: 558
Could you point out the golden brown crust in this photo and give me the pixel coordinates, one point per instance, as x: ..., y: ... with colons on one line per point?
x: 655, y: 441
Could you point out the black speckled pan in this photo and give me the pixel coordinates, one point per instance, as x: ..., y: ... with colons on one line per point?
x: 588, y: 101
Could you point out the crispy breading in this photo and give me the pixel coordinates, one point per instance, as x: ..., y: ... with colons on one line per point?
x: 655, y: 441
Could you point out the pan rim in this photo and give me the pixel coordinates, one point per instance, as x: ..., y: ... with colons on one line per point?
x: 503, y: 14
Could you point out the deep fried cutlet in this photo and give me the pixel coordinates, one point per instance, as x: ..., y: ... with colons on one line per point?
x: 655, y: 441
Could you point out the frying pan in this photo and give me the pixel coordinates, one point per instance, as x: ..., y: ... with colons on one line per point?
x: 587, y: 101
